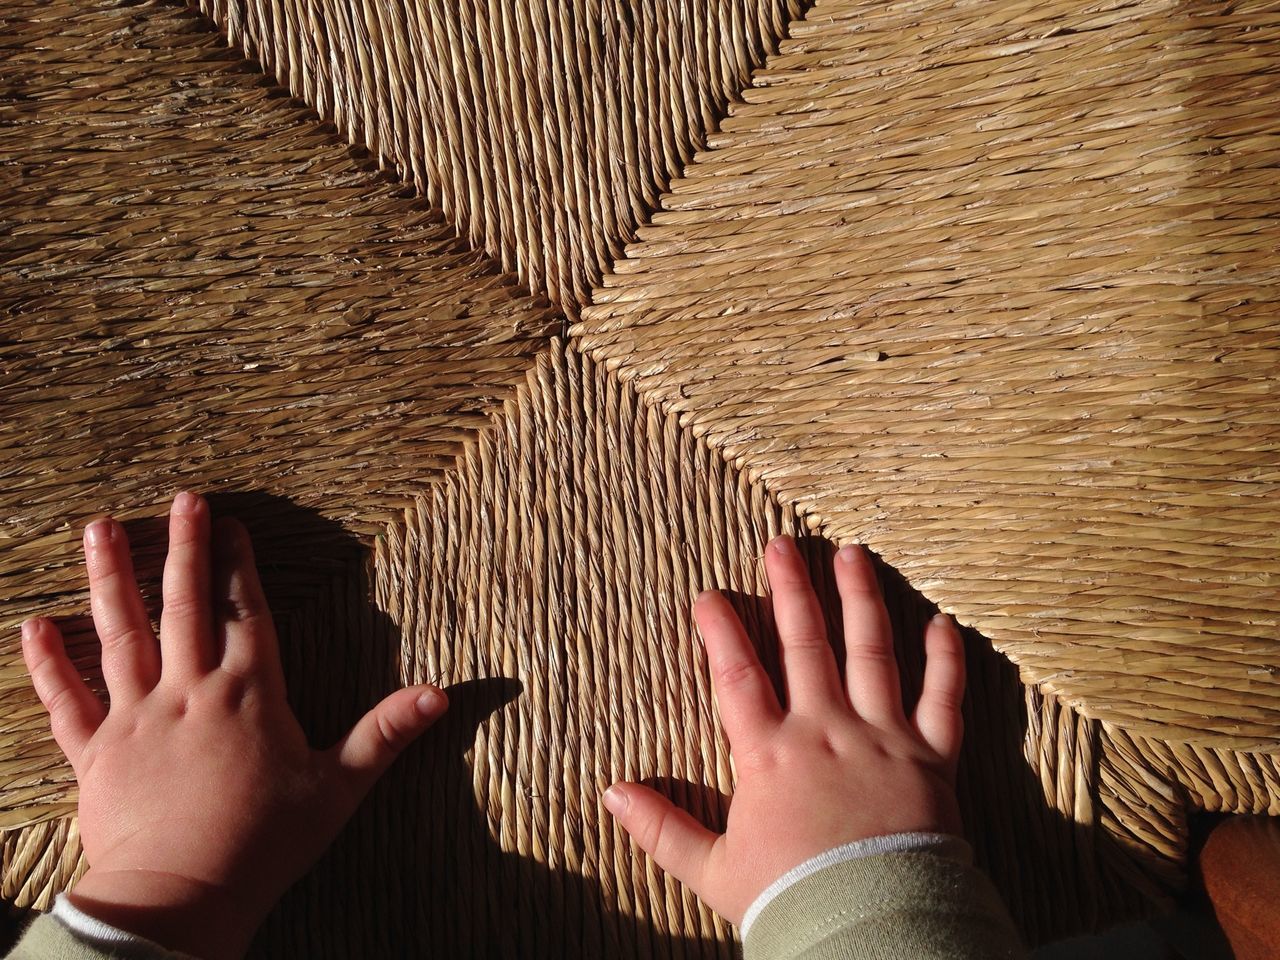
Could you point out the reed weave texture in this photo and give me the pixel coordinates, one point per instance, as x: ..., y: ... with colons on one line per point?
x: 546, y: 130
x: 988, y: 287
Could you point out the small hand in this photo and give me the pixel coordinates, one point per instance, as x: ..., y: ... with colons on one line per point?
x: 200, y: 800
x: 841, y: 762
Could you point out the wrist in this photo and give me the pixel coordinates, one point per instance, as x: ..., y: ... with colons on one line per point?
x: 178, y: 913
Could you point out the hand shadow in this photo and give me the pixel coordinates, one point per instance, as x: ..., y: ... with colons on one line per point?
x: 418, y: 871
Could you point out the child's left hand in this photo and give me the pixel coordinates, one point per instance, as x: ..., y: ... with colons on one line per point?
x: 201, y: 801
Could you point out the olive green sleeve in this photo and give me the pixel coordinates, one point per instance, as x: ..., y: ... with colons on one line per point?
x: 49, y: 938
x: 920, y: 906
x: 895, y: 905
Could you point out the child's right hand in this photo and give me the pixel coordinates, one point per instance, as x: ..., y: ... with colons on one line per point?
x: 839, y: 762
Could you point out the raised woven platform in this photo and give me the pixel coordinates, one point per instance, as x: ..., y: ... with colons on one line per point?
x: 990, y: 290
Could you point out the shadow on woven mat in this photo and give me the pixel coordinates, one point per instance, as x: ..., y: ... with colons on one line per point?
x: 427, y: 862
x: 425, y: 865
x: 420, y: 869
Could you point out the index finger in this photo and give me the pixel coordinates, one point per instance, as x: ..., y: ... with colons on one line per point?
x: 748, y: 706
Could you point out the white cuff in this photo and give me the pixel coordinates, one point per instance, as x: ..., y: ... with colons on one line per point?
x: 119, y: 942
x: 940, y: 844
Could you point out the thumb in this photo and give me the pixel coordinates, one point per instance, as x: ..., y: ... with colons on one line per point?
x: 679, y: 844
x: 379, y: 736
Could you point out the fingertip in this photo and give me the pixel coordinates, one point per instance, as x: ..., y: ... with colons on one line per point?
x: 616, y: 799
x: 707, y: 597
x: 35, y: 646
x: 40, y: 635
x: 32, y: 628
x: 783, y: 545
x: 430, y: 703
x: 942, y: 636
x: 386, y: 730
x: 677, y: 842
x: 187, y: 503
x: 854, y: 567
x: 190, y: 520
x: 191, y: 529
x: 99, y: 532
x: 786, y: 566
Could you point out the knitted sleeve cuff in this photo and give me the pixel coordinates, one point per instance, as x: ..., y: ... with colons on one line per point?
x: 883, y: 905
x: 940, y: 844
x: 68, y: 933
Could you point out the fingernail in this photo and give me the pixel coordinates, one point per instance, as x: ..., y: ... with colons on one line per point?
x: 185, y: 502
x: 430, y: 702
x: 30, y: 628
x: 940, y: 620
x: 98, y: 533
x: 616, y: 800
x: 785, y: 546
x: 849, y: 554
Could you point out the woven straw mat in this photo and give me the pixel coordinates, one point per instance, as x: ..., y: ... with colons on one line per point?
x: 508, y: 328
